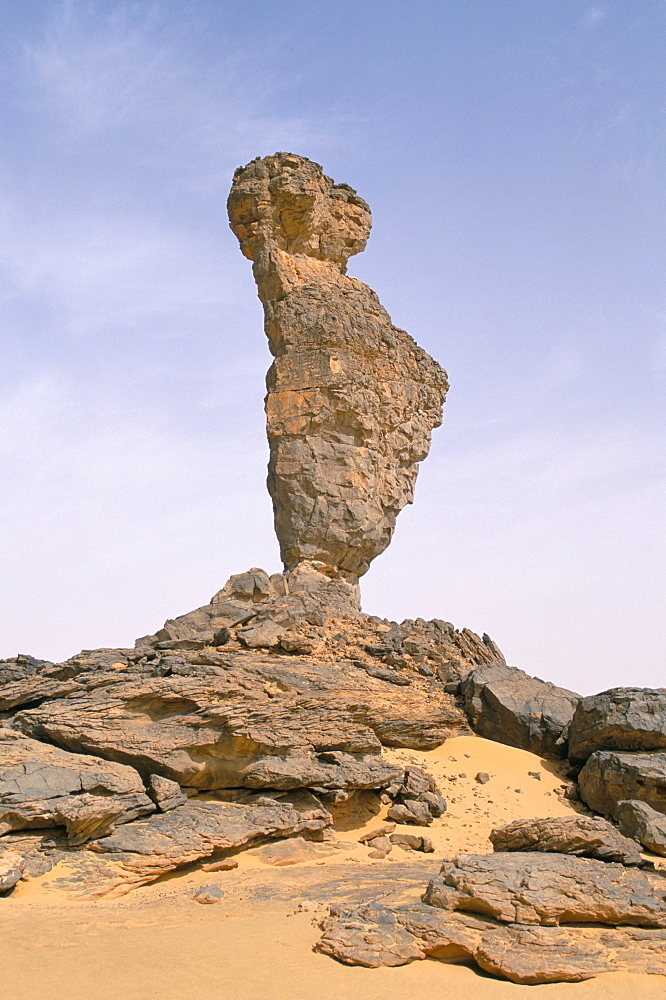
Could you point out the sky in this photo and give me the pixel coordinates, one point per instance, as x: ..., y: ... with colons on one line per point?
x: 514, y: 157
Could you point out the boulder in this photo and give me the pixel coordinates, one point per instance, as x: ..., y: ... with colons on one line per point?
x: 608, y: 778
x: 549, y: 889
x: 622, y: 718
x: 166, y: 794
x: 378, y: 935
x: 352, y: 400
x: 507, y: 705
x: 417, y: 799
x: 12, y: 867
x: 411, y: 842
x: 584, y: 836
x: 43, y: 786
x: 208, y: 894
x: 639, y: 820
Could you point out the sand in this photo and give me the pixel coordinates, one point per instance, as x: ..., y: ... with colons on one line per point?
x: 156, y: 942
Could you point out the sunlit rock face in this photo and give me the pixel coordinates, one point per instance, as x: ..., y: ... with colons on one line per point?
x: 352, y: 400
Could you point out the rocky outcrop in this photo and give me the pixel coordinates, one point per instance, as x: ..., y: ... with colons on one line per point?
x: 622, y: 718
x: 607, y: 778
x: 214, y: 719
x: 584, y: 836
x: 42, y: 786
x: 147, y: 849
x: 352, y: 400
x: 507, y: 705
x: 378, y: 935
x: 643, y: 823
x: 417, y: 799
x: 549, y: 889
x: 504, y: 911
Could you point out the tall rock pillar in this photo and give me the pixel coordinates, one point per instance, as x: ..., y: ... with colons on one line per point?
x: 352, y: 400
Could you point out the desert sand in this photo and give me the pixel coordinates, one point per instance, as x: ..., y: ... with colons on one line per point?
x: 157, y: 942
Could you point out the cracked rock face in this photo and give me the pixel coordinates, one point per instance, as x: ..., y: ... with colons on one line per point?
x: 585, y: 836
x: 378, y: 935
x: 549, y: 889
x: 352, y: 400
x: 43, y: 786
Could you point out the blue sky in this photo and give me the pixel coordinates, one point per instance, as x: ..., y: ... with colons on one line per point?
x: 513, y: 155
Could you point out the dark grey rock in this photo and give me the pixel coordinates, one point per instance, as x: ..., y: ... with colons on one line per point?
x: 42, y: 786
x: 639, y: 820
x: 623, y: 718
x: 507, y: 705
x: 166, y: 794
x: 609, y: 777
x: 412, y: 842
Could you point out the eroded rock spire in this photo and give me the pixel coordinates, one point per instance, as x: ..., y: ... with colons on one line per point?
x: 352, y: 400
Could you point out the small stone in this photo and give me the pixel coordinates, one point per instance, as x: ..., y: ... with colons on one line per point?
x: 380, y: 846
x: 412, y: 842
x: 225, y: 865
x: 482, y: 777
x: 208, y: 894
x: 380, y: 831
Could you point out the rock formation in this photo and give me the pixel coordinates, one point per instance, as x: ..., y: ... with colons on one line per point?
x: 584, y: 836
x: 507, y: 705
x: 378, y: 935
x: 263, y: 719
x: 620, y: 719
x: 352, y: 400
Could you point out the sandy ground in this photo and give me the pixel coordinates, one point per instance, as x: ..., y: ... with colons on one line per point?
x: 157, y: 942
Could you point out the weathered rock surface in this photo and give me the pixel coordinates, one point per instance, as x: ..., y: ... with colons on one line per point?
x: 622, y: 718
x: 352, y: 400
x: 148, y: 848
x: 585, y: 836
x: 215, y: 719
x: 166, y: 794
x: 12, y: 866
x: 549, y: 889
x: 43, y: 786
x: 378, y: 935
x: 507, y: 705
x: 410, y: 842
x: 608, y: 777
x: 294, y: 851
x: 417, y: 799
x: 643, y: 823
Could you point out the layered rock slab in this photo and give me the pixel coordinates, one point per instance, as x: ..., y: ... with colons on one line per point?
x: 150, y: 848
x: 42, y: 786
x: 549, y: 889
x: 214, y: 720
x: 352, y: 400
x: 377, y: 935
x: 583, y: 836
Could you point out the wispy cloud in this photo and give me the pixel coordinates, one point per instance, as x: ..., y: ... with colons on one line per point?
x: 594, y: 17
